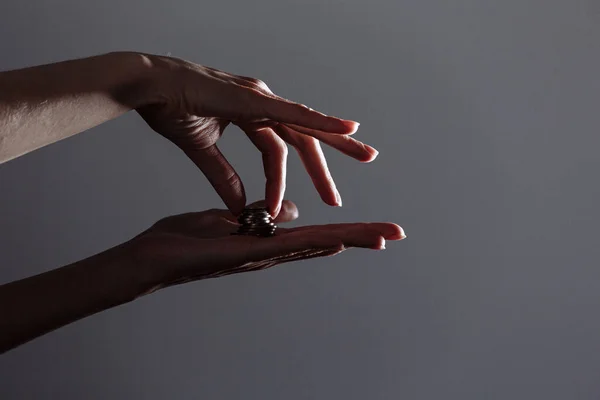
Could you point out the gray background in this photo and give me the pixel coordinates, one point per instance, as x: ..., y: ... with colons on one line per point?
x: 486, y: 114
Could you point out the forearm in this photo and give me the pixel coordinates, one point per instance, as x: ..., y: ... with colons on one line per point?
x: 44, y: 104
x: 37, y: 305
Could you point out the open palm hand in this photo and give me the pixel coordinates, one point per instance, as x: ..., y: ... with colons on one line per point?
x: 200, y: 245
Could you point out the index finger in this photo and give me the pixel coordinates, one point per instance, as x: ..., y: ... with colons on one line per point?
x: 281, y: 110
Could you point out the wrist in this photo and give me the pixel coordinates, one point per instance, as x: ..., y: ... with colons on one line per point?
x: 142, y: 277
x: 118, y: 275
x: 142, y: 74
x: 147, y: 263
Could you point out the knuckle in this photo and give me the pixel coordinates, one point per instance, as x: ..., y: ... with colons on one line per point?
x: 260, y: 84
x: 225, y: 181
x: 273, y: 145
x: 303, y: 112
x: 256, y: 82
x: 282, y: 148
x: 284, y: 133
x: 308, y: 144
x: 304, y: 109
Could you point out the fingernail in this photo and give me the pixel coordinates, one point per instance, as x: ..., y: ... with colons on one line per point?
x: 371, y: 154
x: 338, y: 198
x: 375, y: 152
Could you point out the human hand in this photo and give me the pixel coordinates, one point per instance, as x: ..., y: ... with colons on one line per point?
x: 193, y: 104
x: 175, y: 250
x: 200, y: 245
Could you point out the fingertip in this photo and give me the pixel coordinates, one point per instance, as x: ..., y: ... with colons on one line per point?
x: 331, y: 201
x: 371, y: 152
x: 273, y: 203
x: 330, y: 195
x: 368, y: 156
x: 272, y: 206
x: 337, y: 126
x: 373, y: 243
x: 236, y: 205
x: 352, y: 126
x: 290, y: 209
x: 397, y: 233
x: 236, y: 211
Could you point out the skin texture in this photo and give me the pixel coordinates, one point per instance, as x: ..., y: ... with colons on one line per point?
x: 191, y: 105
x: 175, y: 250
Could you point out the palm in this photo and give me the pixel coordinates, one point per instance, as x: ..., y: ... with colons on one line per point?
x: 200, y: 245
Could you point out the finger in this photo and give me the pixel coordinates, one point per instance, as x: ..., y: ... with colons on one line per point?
x: 257, y: 126
x: 345, y: 144
x: 212, y: 223
x: 296, y: 242
x: 221, y: 176
x: 287, y: 109
x: 265, y: 252
x: 330, y: 237
x: 275, y: 108
x: 314, y: 161
x: 288, y: 212
x: 387, y: 230
x: 274, y: 154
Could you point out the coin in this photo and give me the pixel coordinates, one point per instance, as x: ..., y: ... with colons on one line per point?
x: 256, y: 221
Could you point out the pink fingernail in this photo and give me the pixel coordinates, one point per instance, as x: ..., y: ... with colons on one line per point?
x: 375, y: 152
x: 402, y: 233
x: 338, y: 198
x: 355, y: 127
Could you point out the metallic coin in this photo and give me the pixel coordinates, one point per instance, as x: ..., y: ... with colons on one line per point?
x: 256, y: 221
